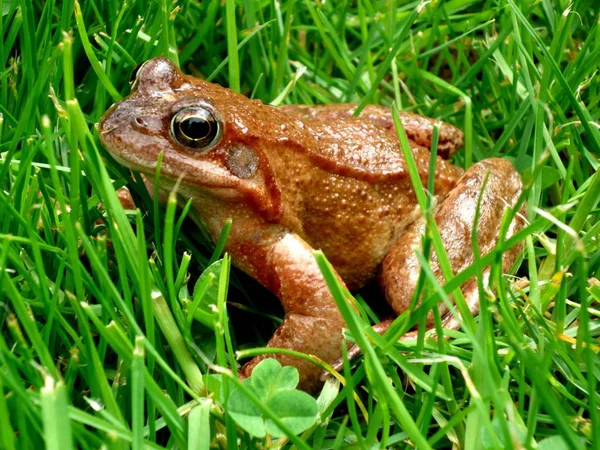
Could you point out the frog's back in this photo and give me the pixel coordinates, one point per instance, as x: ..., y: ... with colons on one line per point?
x: 353, y: 147
x: 354, y: 198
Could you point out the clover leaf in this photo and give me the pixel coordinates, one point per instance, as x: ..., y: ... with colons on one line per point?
x: 275, y: 386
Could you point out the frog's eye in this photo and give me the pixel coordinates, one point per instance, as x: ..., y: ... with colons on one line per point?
x: 195, y: 127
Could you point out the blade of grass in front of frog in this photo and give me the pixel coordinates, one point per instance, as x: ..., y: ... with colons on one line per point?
x: 167, y: 325
x: 220, y: 246
x: 481, y: 415
x: 380, y: 382
x: 441, y: 371
x: 351, y: 400
x: 424, y: 202
x: 438, y: 245
x: 169, y: 261
x: 156, y: 205
x: 224, y: 346
x: 487, y: 359
x: 468, y: 128
x: 137, y: 394
x: 469, y: 272
x: 199, y: 426
x: 57, y: 426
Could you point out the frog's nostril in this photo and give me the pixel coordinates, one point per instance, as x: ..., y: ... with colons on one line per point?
x: 139, y: 123
x: 145, y: 125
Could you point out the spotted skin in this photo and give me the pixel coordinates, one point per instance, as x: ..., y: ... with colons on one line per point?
x: 298, y: 178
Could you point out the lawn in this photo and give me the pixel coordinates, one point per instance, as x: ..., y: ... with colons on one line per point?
x: 126, y: 328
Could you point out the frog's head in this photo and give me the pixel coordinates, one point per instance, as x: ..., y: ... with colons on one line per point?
x: 215, y: 140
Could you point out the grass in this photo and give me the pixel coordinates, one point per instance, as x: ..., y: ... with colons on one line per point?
x: 106, y: 335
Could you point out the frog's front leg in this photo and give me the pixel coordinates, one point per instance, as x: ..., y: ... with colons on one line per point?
x: 455, y: 218
x: 285, y: 264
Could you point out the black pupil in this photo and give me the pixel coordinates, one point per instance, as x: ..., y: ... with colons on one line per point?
x: 195, y: 128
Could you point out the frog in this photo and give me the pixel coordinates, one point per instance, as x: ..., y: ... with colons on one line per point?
x: 294, y: 179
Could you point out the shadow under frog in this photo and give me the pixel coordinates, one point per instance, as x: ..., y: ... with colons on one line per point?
x: 298, y: 178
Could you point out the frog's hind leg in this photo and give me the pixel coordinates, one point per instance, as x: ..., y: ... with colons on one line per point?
x: 455, y: 218
x: 418, y: 128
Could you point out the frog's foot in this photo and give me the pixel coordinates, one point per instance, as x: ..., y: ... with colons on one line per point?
x: 313, y: 324
x: 354, y: 351
x: 455, y: 218
x: 310, y: 335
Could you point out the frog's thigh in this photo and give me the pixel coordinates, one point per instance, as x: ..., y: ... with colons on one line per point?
x: 312, y: 324
x: 455, y: 218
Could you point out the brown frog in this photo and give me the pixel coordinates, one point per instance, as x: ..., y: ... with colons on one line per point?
x: 298, y: 178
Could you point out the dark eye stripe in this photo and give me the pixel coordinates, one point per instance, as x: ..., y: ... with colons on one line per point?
x: 195, y: 127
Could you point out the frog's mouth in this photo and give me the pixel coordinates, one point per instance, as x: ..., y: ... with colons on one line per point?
x: 190, y: 183
x: 138, y: 150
